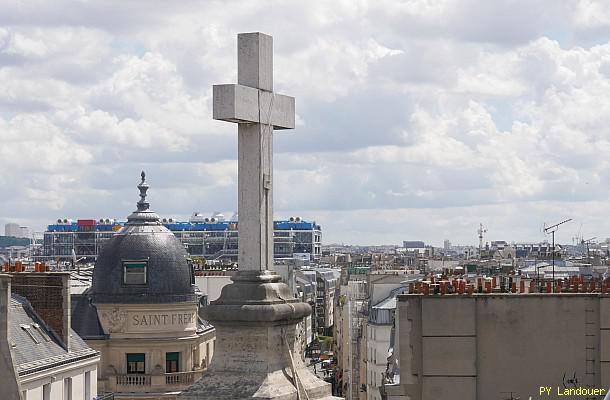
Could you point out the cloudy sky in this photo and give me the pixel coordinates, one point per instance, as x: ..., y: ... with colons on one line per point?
x: 417, y: 119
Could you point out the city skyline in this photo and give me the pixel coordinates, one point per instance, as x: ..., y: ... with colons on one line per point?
x: 414, y: 121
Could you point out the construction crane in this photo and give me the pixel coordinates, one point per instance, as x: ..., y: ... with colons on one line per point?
x: 586, y: 243
x: 481, y: 231
x: 553, y: 229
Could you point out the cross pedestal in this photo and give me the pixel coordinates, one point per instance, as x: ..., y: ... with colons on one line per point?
x: 257, y: 353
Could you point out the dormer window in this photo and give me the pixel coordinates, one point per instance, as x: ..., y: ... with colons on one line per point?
x: 134, y: 272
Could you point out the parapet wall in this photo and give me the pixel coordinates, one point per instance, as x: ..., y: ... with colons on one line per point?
x: 489, y: 346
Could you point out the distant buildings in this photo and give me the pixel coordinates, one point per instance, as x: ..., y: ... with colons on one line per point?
x: 326, y: 285
x: 12, y: 229
x: 211, y: 238
x: 414, y: 245
x: 15, y: 230
x: 324, y: 282
x: 486, y: 326
x: 383, y: 288
x: 350, y: 330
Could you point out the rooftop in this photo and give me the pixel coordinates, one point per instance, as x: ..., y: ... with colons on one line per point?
x: 172, y: 225
x: 35, y: 346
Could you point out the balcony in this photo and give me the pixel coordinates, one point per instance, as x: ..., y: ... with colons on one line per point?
x: 182, y: 378
x: 137, y: 383
x: 134, y: 380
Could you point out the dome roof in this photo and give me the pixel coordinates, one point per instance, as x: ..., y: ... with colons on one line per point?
x: 142, y: 263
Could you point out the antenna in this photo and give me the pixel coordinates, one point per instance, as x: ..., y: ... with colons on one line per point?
x: 553, y: 229
x: 586, y: 243
x: 577, y: 239
x: 481, y: 231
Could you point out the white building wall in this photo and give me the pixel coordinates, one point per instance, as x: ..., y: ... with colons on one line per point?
x: 33, y: 387
x: 378, y: 343
x: 24, y: 232
x: 212, y: 285
x: 12, y: 229
x: 308, y: 330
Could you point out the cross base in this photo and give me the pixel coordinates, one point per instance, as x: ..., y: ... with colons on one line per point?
x: 253, y: 363
x: 258, y: 346
x: 256, y: 297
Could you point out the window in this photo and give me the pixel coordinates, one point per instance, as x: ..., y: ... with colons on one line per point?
x: 37, y: 328
x: 68, y: 389
x: 134, y: 272
x: 46, y: 392
x: 87, y: 385
x: 135, y: 363
x: 172, y: 362
x: 28, y: 330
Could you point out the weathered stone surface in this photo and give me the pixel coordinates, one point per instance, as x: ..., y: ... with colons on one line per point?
x: 255, y: 60
x: 255, y: 363
x: 244, y: 104
x: 256, y: 348
x: 257, y: 111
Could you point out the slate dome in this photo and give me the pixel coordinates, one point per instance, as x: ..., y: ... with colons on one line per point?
x: 142, y: 263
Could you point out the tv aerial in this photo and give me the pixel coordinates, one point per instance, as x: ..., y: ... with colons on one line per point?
x: 552, y: 229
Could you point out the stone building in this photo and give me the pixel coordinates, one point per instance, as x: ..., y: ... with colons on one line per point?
x: 378, y: 332
x: 500, y: 346
x: 141, y: 312
x: 350, y: 325
x: 41, y: 358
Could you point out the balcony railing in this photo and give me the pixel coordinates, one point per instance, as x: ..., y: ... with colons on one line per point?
x: 133, y: 380
x: 144, y: 383
x: 180, y: 378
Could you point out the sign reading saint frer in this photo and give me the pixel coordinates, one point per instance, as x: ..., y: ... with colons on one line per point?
x: 126, y: 320
x: 162, y: 319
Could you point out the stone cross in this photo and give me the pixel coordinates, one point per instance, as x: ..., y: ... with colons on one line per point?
x: 257, y: 110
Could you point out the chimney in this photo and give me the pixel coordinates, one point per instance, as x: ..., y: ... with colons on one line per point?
x: 8, y: 378
x: 49, y: 295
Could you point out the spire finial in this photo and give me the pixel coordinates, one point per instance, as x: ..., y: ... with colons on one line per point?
x: 143, y: 186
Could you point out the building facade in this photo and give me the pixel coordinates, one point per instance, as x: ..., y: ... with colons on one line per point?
x: 142, y: 312
x: 350, y: 324
x: 211, y: 238
x: 40, y: 356
x: 499, y: 346
x: 378, y: 337
x: 14, y: 230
